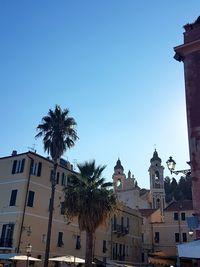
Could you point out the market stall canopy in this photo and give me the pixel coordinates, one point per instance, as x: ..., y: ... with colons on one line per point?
x: 23, y: 258
x: 189, y: 250
x: 67, y: 259
x: 17, y: 257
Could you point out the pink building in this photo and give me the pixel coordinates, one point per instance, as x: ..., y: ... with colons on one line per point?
x: 189, y: 54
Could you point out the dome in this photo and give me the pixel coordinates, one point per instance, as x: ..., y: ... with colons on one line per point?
x: 118, y: 165
x: 155, y: 157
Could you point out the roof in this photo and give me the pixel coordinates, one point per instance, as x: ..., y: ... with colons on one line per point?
x: 180, y: 205
x: 147, y: 212
x: 155, y: 157
x: 118, y: 165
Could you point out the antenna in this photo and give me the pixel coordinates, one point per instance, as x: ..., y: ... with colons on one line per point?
x: 32, y: 148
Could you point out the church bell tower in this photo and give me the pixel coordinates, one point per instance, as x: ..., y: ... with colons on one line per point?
x: 157, y: 183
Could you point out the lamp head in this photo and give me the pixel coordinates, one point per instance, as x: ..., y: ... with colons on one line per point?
x: 171, y: 164
x: 191, y: 232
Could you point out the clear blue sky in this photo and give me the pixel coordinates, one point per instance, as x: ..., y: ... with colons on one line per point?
x: 111, y: 63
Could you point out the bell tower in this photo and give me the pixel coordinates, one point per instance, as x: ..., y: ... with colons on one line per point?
x: 157, y: 182
x: 118, y: 176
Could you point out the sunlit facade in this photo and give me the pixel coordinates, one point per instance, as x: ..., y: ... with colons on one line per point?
x: 24, y: 209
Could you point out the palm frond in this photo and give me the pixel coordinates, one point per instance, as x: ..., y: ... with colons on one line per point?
x: 58, y: 132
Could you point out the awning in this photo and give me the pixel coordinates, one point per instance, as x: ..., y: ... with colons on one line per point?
x: 23, y: 258
x: 161, y: 261
x: 67, y: 259
x: 17, y: 257
x: 189, y: 250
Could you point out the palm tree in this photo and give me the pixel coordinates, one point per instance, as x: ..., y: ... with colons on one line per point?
x: 58, y: 132
x: 89, y: 197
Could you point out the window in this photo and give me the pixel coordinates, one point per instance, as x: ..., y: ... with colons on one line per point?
x: 183, y: 216
x: 176, y: 216
x: 63, y: 181
x: 13, y: 197
x: 124, y: 254
x: 157, y: 237
x: 7, y: 235
x: 57, y: 178
x: 115, y: 251
x: 62, y: 208
x: 18, y: 166
x: 31, y: 195
x: 114, y: 223
x: 142, y: 256
x: 127, y: 222
x: 157, y: 203
x: 51, y: 175
x: 122, y: 222
x: 60, y: 239
x: 120, y: 252
x: 127, y: 252
x: 36, y: 168
x: 177, y: 239
x: 78, y: 242
x: 142, y: 237
x: 104, y: 246
x: 184, y: 236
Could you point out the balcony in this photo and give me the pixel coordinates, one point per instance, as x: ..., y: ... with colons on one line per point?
x: 120, y: 229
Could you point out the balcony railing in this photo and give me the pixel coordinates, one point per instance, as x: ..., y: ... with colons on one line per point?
x: 120, y: 229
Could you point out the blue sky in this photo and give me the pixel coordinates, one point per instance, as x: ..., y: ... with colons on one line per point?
x: 111, y: 63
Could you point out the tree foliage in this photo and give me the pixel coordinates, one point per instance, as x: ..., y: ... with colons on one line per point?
x: 181, y: 190
x: 59, y: 134
x: 89, y: 198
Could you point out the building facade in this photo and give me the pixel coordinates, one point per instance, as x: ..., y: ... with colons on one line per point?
x: 24, y: 209
x: 189, y: 54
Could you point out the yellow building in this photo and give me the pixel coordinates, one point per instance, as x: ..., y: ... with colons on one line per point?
x: 24, y: 209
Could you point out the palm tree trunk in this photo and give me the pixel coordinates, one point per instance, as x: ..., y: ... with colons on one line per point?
x: 51, y: 208
x: 89, y: 249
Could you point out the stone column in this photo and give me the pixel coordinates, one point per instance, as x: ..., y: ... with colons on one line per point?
x: 189, y: 54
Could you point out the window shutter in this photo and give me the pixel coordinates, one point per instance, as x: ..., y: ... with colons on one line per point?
x: 51, y: 176
x: 31, y: 195
x: 13, y: 197
x: 22, y: 165
x: 78, y: 242
x: 3, y: 232
x: 14, y: 166
x: 57, y: 178
x: 60, y: 239
x: 39, y: 169
x: 104, y: 246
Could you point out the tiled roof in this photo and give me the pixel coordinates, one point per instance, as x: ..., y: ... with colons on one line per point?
x: 180, y: 205
x: 147, y: 212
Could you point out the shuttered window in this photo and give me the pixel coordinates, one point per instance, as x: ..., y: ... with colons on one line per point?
x: 31, y: 196
x: 13, y: 197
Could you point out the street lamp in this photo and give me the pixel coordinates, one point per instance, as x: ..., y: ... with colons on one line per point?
x: 191, y: 232
x: 28, y: 253
x: 171, y: 164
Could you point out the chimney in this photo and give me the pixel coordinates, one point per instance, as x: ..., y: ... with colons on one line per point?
x: 14, y: 153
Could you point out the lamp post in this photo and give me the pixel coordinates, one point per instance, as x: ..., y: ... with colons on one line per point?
x: 171, y: 164
x: 28, y: 253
